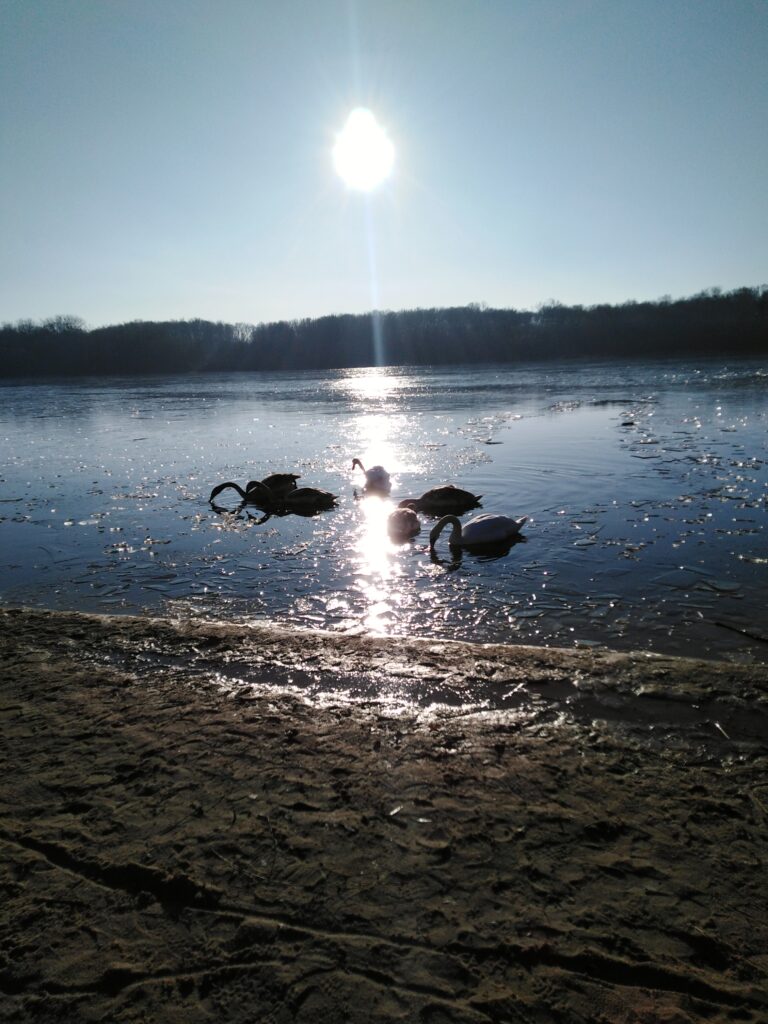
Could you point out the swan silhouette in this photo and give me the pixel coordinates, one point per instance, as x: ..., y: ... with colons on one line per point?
x: 486, y: 529
x: 445, y: 499
x: 308, y: 498
x: 376, y: 478
x: 255, y: 493
x: 297, y: 499
x: 278, y: 483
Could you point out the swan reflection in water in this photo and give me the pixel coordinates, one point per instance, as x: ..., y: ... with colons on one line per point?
x: 482, y: 552
x: 243, y: 511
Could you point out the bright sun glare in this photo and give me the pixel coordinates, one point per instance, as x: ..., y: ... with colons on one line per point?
x: 363, y: 155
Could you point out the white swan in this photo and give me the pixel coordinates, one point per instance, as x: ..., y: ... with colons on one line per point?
x: 484, y: 529
x: 376, y: 478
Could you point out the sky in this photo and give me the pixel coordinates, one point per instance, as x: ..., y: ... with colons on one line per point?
x: 171, y: 159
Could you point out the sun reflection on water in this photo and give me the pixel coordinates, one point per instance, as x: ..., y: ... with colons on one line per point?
x: 381, y: 429
x: 380, y: 434
x: 369, y: 384
x: 377, y: 565
x: 375, y: 436
x: 372, y: 383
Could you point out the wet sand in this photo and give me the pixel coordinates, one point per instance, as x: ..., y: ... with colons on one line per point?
x: 189, y: 833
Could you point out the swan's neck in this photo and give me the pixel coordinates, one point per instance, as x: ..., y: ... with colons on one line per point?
x: 441, y: 524
x: 221, y: 487
x: 357, y: 462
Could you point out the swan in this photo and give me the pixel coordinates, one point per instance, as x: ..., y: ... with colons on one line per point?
x: 484, y: 529
x: 298, y: 499
x: 402, y: 525
x: 255, y: 493
x: 445, y: 499
x: 376, y: 478
x: 278, y: 483
x: 302, y: 498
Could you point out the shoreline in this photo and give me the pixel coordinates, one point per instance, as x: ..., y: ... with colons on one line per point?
x: 197, y: 826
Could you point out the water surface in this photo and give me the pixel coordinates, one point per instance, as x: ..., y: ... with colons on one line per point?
x: 645, y: 485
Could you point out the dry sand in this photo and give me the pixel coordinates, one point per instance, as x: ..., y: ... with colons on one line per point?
x: 176, y: 849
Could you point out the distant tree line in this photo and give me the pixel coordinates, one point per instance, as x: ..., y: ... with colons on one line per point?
x: 712, y: 323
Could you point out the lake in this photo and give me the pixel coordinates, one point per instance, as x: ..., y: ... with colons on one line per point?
x: 645, y: 485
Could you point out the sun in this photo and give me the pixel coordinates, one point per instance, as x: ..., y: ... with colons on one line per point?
x: 363, y: 155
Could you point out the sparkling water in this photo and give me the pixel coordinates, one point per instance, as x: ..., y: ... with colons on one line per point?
x: 645, y: 486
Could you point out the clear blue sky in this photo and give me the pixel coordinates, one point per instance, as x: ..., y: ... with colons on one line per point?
x: 172, y: 158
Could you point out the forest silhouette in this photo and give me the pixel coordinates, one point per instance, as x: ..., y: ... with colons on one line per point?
x: 709, y: 324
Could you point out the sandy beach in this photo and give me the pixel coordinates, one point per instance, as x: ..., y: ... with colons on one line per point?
x: 196, y: 826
